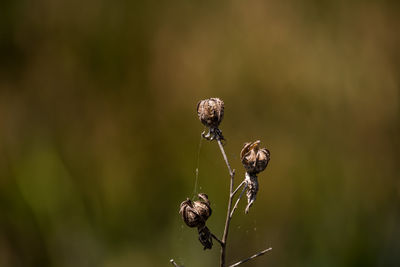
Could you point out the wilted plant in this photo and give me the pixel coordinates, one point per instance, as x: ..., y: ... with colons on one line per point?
x: 195, y: 214
x: 254, y: 160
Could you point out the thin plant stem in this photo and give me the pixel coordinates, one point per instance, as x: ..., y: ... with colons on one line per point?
x: 235, y: 191
x: 228, y: 218
x: 237, y: 201
x: 252, y: 257
x: 217, y: 239
x: 231, y: 172
x: 174, y: 263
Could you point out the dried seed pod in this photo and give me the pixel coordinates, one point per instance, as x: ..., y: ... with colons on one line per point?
x: 205, y: 237
x: 203, y: 207
x: 211, y: 112
x: 254, y: 159
x: 189, y: 214
x: 195, y: 214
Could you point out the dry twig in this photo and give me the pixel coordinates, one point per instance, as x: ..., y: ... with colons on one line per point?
x: 174, y: 263
x: 228, y: 215
x: 252, y: 257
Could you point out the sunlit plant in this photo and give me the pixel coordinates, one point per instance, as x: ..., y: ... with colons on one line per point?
x: 254, y: 160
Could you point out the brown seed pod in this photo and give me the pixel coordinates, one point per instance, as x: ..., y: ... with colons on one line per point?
x: 189, y: 214
x: 195, y: 214
x: 211, y: 112
x: 203, y: 207
x: 254, y: 159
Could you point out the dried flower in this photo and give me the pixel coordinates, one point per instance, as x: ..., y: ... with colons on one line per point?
x: 254, y: 159
x: 203, y: 207
x: 189, y: 214
x: 205, y: 237
x: 252, y: 189
x: 211, y: 112
x: 195, y: 214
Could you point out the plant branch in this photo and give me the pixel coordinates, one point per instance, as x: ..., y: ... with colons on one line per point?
x: 221, y: 147
x: 235, y: 191
x: 252, y: 257
x: 237, y: 201
x: 228, y: 218
x: 174, y: 263
x: 210, y: 112
x: 217, y: 239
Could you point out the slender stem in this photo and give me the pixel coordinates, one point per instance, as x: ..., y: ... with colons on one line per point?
x: 221, y: 147
x: 237, y: 201
x: 217, y: 239
x: 235, y: 191
x: 174, y: 263
x: 252, y: 257
x: 228, y: 218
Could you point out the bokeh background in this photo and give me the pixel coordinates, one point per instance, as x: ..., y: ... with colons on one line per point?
x: 100, y: 142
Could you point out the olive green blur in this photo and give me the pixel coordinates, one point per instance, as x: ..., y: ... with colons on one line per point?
x: 100, y: 139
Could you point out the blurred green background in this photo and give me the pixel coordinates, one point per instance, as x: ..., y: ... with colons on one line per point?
x: 99, y: 136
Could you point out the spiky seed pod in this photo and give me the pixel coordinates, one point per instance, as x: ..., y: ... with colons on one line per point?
x: 211, y: 112
x: 195, y: 214
x: 254, y: 158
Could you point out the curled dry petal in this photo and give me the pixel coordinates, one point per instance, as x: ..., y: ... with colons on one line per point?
x: 211, y: 112
x: 254, y: 158
x: 252, y: 189
x: 204, y: 198
x: 203, y: 207
x: 205, y: 237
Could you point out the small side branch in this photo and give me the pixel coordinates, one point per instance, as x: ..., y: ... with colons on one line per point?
x: 252, y: 257
x: 221, y: 147
x: 174, y: 263
x: 237, y: 189
x: 217, y: 239
x: 237, y: 201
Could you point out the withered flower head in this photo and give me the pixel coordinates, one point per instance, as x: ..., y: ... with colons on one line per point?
x: 254, y: 158
x: 211, y: 112
x: 203, y: 207
x: 195, y: 214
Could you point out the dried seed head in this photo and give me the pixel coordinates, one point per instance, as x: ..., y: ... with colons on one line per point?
x: 211, y: 112
x: 195, y: 214
x: 203, y: 207
x: 189, y: 215
x: 254, y: 159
